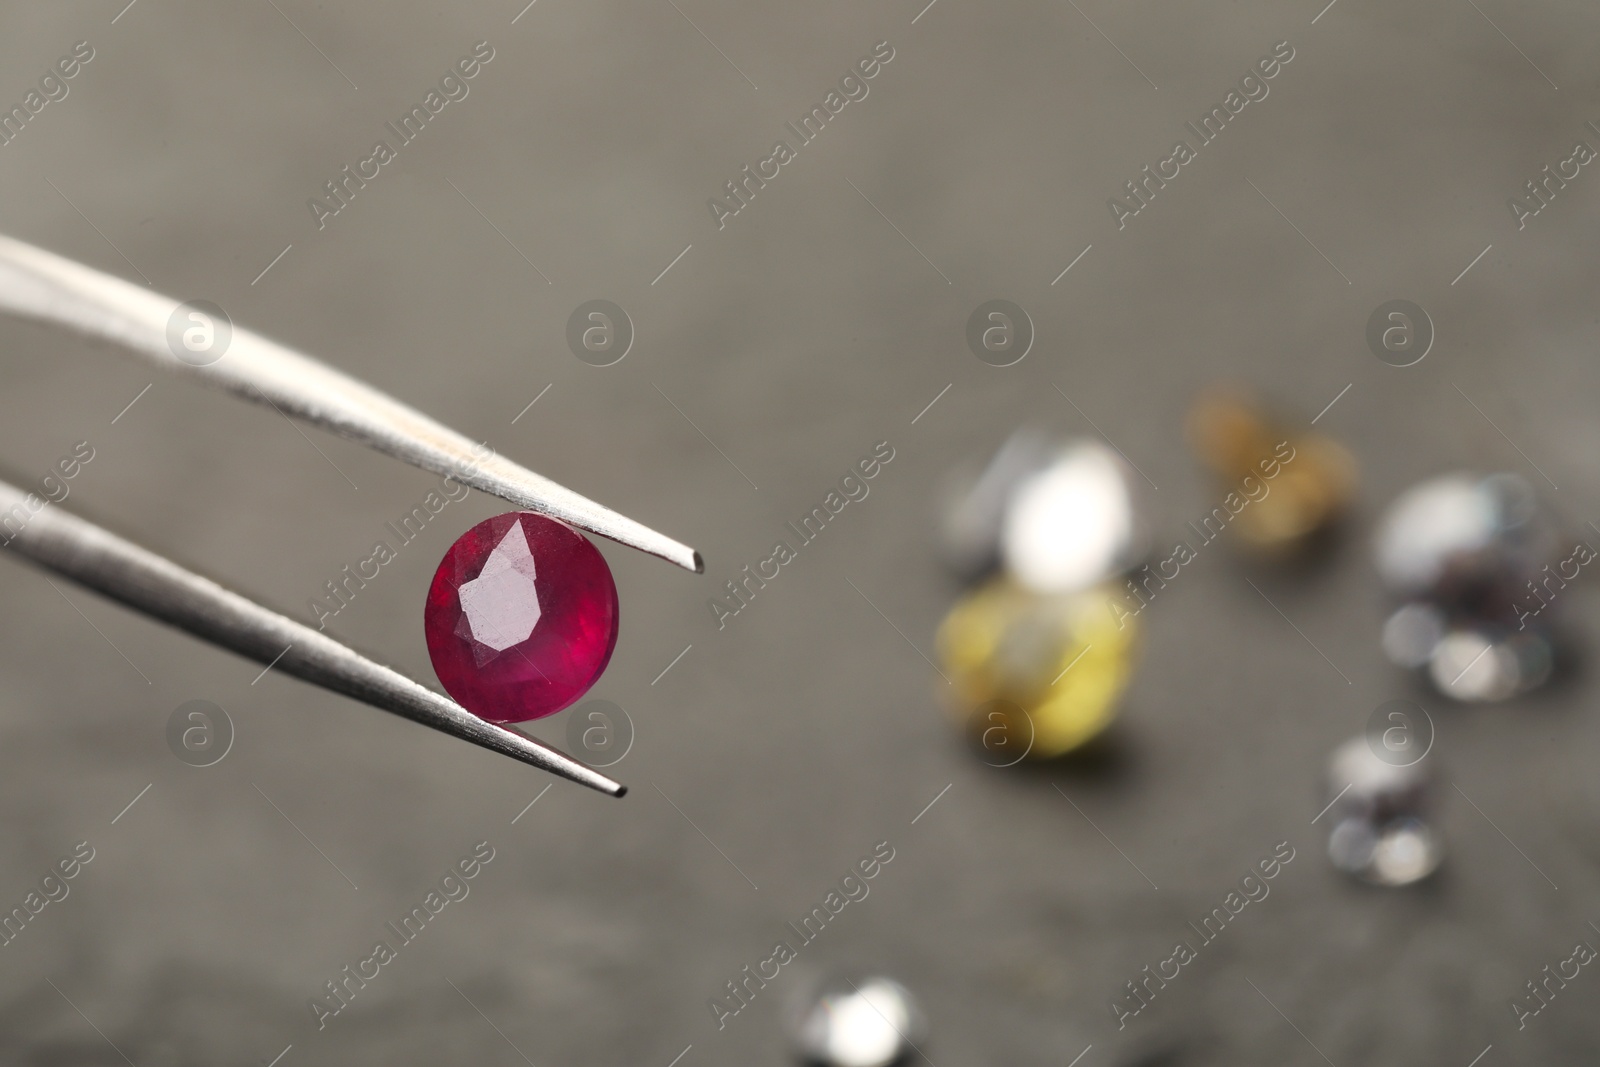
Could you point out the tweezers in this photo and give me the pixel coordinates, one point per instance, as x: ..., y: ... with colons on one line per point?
x: 38, y: 285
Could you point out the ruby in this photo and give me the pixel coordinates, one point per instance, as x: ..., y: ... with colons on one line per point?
x: 521, y: 617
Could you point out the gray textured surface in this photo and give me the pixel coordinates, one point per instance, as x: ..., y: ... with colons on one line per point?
x: 802, y: 333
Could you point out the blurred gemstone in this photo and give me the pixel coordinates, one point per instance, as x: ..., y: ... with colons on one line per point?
x: 1369, y: 786
x: 1472, y: 665
x: 1407, y: 851
x: 521, y: 618
x: 1464, y: 550
x: 1465, y: 542
x: 1412, y: 633
x: 1535, y: 656
x: 976, y: 502
x: 1378, y: 816
x: 1468, y: 666
x: 1298, y: 483
x: 1076, y: 522
x: 1395, y: 854
x: 1036, y: 675
x: 1351, y: 845
x: 870, y: 1022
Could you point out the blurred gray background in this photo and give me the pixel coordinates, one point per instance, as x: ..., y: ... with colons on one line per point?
x: 794, y: 338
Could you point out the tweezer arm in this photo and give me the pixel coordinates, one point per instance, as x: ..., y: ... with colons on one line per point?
x: 101, y: 561
x: 39, y: 285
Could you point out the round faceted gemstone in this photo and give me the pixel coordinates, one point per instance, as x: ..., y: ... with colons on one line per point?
x: 521, y: 617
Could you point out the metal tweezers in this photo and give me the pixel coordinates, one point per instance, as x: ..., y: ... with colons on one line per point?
x: 35, y: 284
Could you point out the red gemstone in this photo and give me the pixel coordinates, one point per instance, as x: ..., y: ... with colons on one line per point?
x: 521, y: 617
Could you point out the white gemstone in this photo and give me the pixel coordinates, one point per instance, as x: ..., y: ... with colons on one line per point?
x: 1075, y: 523
x: 1406, y: 852
x: 1457, y: 526
x: 1467, y: 665
x: 1412, y: 634
x: 871, y: 1024
x: 502, y: 603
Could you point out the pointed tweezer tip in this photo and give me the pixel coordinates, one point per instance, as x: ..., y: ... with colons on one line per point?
x: 508, y: 739
x: 40, y: 285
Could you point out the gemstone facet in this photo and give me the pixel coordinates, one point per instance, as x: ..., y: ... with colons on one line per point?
x: 521, y: 618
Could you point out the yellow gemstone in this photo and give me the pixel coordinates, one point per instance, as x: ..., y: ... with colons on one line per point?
x: 1283, y: 487
x: 1036, y: 675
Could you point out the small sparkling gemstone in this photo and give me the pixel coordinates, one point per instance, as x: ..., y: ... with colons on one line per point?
x: 1462, y: 552
x: 1486, y: 665
x: 1288, y: 495
x: 866, y: 1022
x: 1369, y: 786
x: 1412, y: 633
x: 1394, y: 854
x: 1032, y: 675
x: 1466, y: 543
x: 1075, y: 522
x: 977, y: 499
x: 521, y: 617
x: 1378, y: 829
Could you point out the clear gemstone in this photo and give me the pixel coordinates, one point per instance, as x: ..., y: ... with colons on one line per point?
x: 1076, y: 522
x: 871, y: 1022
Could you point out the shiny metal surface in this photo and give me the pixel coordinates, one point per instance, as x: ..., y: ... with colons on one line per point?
x: 39, y: 285
x: 99, y: 560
